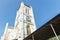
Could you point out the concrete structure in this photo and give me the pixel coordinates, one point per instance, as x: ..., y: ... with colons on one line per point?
x: 24, y: 24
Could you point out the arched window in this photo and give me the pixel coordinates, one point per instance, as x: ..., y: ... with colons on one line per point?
x: 28, y: 30
x: 28, y: 18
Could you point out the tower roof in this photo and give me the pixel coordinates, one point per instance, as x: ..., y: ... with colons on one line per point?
x: 22, y: 3
x: 27, y: 5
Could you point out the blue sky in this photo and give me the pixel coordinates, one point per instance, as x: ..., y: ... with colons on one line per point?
x: 44, y: 10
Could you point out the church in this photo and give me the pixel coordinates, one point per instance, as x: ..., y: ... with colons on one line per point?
x: 24, y: 24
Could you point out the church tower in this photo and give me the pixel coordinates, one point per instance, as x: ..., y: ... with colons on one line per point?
x: 25, y: 22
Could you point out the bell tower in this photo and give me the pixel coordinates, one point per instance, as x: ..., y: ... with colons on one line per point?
x: 25, y: 23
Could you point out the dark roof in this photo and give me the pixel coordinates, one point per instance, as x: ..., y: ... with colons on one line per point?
x: 45, y: 32
x: 27, y: 5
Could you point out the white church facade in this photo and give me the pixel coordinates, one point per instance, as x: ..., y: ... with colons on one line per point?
x: 24, y: 24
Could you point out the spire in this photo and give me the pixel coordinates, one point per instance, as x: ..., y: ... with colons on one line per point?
x: 3, y: 36
x: 6, y: 28
x: 22, y: 3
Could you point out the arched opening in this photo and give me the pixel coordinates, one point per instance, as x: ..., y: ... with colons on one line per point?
x: 28, y: 30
